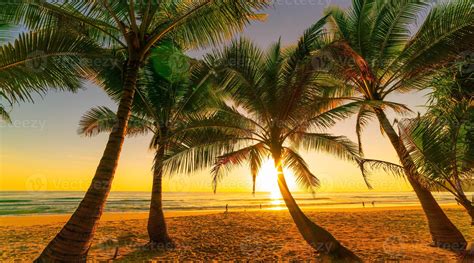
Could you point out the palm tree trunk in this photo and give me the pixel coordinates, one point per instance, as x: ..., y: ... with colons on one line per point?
x: 443, y: 232
x: 468, y: 206
x: 72, y: 243
x: 316, y: 236
x: 157, y: 230
x: 470, y: 211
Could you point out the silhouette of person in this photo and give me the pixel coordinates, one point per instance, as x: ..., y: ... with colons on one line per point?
x: 363, y: 204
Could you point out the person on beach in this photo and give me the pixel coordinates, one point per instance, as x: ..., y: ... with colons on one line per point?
x: 363, y: 204
x: 227, y: 208
x: 373, y: 203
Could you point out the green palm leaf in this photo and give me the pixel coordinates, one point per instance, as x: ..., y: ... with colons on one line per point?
x: 102, y: 119
x: 37, y: 61
x: 447, y: 31
x: 232, y: 159
x: 339, y: 146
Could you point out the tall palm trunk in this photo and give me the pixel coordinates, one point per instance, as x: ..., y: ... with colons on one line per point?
x: 157, y: 230
x: 316, y: 236
x: 443, y: 232
x: 74, y: 240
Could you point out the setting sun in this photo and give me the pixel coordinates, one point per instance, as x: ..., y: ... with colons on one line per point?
x: 267, y: 179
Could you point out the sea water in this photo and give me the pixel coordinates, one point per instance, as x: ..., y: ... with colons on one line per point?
x: 30, y: 202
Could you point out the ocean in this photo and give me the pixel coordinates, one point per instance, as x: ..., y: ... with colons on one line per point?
x: 29, y: 202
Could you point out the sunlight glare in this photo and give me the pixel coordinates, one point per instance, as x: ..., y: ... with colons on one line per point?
x: 267, y: 181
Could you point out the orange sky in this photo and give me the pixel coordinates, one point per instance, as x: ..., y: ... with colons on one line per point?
x: 56, y: 158
x: 42, y: 151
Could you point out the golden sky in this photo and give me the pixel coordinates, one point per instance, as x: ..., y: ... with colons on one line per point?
x: 42, y: 151
x: 54, y: 157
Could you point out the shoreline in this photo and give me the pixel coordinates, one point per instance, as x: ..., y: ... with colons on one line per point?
x: 46, y: 219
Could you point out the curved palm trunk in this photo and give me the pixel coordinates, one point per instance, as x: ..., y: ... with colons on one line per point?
x: 443, y: 232
x: 316, y: 236
x: 470, y: 211
x: 72, y: 243
x: 468, y: 206
x: 157, y: 230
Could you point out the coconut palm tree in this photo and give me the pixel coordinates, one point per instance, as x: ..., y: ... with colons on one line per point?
x: 166, y: 96
x: 41, y: 60
x: 440, y: 142
x: 276, y: 105
x: 132, y: 28
x: 441, y: 152
x: 378, y: 54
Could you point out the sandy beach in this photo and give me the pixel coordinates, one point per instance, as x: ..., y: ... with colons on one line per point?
x: 397, y: 234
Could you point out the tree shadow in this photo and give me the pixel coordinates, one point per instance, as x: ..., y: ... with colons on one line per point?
x: 119, y: 249
x: 141, y: 254
x: 129, y: 248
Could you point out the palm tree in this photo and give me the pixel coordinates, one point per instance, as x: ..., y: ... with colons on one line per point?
x: 161, y: 108
x: 276, y: 104
x: 377, y: 54
x: 440, y: 142
x: 41, y: 60
x: 133, y: 28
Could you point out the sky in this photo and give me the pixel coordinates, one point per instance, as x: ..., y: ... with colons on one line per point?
x: 41, y: 150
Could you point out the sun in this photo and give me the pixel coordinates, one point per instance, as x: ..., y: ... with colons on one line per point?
x: 267, y: 179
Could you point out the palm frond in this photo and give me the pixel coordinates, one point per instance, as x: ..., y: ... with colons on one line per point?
x: 309, y: 42
x: 103, y: 119
x: 391, y: 29
x: 433, y: 174
x: 388, y: 167
x: 37, y: 61
x: 224, y: 162
x: 7, y: 32
x: 361, y: 19
x: 88, y: 18
x: 368, y: 165
x: 199, y: 152
x: 300, y: 169
x: 239, y: 72
x: 220, y: 122
x: 338, y: 22
x: 398, y: 108
x: 202, y: 22
x: 257, y: 154
x: 447, y: 31
x: 323, y: 120
x: 362, y: 120
x: 4, y: 114
x: 338, y: 146
x: 440, y: 147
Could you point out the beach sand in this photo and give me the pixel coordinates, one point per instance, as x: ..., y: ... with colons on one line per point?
x: 376, y: 234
